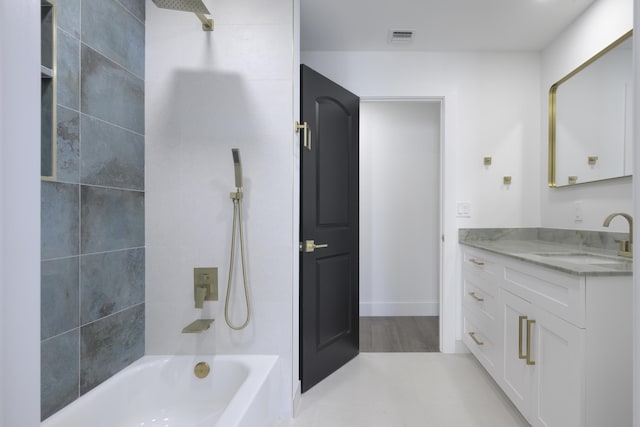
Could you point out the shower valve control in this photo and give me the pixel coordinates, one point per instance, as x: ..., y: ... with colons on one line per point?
x: 206, y: 280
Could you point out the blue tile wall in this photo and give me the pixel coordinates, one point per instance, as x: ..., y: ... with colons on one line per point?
x: 109, y: 345
x: 111, y: 219
x: 60, y: 295
x: 68, y: 16
x: 60, y: 371
x: 111, y: 282
x: 114, y: 32
x: 68, y: 70
x: 60, y: 221
x: 136, y: 7
x: 92, y: 226
x: 110, y: 92
x: 111, y: 156
x: 68, y: 145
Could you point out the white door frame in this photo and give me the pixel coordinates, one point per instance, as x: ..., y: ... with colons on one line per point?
x: 448, y: 275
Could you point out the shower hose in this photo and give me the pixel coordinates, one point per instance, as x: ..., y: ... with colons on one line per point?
x: 237, y: 217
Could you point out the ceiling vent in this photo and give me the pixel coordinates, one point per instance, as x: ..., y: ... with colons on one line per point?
x: 401, y: 36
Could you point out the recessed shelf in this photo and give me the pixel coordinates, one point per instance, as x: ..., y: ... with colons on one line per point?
x: 46, y: 72
x: 48, y: 90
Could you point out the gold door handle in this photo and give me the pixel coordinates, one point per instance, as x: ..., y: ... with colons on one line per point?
x: 521, y: 354
x: 310, y: 246
x: 529, y: 324
x: 306, y: 135
x: 476, y: 262
x: 476, y: 297
x: 476, y: 340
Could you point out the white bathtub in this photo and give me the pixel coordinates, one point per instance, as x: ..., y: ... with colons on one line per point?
x: 162, y: 391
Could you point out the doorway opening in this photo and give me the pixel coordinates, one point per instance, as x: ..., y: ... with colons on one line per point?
x: 400, y: 224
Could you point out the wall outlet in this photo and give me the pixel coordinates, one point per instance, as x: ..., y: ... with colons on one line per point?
x: 577, y: 209
x: 206, y: 277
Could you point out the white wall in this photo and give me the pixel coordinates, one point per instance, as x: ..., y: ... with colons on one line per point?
x: 636, y: 213
x: 399, y: 208
x: 604, y: 22
x: 206, y: 93
x: 491, y: 108
x: 20, y: 213
x: 295, y: 367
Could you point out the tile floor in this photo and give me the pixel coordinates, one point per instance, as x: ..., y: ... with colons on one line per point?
x: 406, y: 390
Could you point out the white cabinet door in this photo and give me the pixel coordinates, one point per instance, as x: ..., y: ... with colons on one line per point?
x: 558, y: 388
x: 543, y: 372
x: 516, y: 374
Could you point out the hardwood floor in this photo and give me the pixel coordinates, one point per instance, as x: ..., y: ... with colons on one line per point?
x: 399, y: 334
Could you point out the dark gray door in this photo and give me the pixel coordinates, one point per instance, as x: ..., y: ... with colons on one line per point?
x: 329, y: 287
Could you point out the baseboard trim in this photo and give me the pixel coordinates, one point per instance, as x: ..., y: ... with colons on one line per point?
x: 420, y: 308
x: 297, y: 400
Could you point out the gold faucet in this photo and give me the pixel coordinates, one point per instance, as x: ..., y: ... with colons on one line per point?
x: 626, y: 246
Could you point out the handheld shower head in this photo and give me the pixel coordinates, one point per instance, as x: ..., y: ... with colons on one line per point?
x: 237, y: 166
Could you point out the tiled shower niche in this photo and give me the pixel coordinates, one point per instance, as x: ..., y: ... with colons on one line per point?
x: 92, y: 238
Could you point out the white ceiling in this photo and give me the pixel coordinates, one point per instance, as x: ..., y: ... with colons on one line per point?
x: 440, y: 25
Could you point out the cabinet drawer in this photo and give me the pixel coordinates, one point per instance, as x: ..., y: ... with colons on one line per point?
x: 479, y: 296
x: 484, y: 267
x: 480, y: 342
x: 560, y: 294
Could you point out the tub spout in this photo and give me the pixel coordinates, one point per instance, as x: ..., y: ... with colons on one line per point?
x: 626, y: 246
x: 197, y: 326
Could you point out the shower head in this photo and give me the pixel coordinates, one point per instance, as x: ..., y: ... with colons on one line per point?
x: 195, y: 6
x: 237, y: 166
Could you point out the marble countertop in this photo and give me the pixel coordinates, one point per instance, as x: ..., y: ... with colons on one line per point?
x: 602, y: 261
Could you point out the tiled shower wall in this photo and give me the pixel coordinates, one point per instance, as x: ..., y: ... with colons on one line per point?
x: 93, y: 255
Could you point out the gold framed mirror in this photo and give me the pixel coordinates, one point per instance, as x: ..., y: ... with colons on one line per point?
x: 590, y: 119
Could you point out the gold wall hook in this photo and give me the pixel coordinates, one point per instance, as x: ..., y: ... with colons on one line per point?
x: 487, y: 161
x: 506, y: 180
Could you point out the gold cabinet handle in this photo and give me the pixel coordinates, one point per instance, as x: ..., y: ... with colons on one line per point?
x: 476, y: 340
x: 521, y: 354
x: 476, y: 297
x: 476, y: 262
x: 529, y: 324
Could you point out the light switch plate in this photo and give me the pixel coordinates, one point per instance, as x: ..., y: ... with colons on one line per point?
x: 577, y: 212
x: 207, y: 277
x: 463, y: 209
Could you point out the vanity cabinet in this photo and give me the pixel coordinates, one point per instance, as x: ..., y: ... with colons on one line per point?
x: 560, y: 344
x: 481, y: 310
x: 542, y: 373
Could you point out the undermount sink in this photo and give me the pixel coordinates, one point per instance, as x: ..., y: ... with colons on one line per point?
x: 583, y: 258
